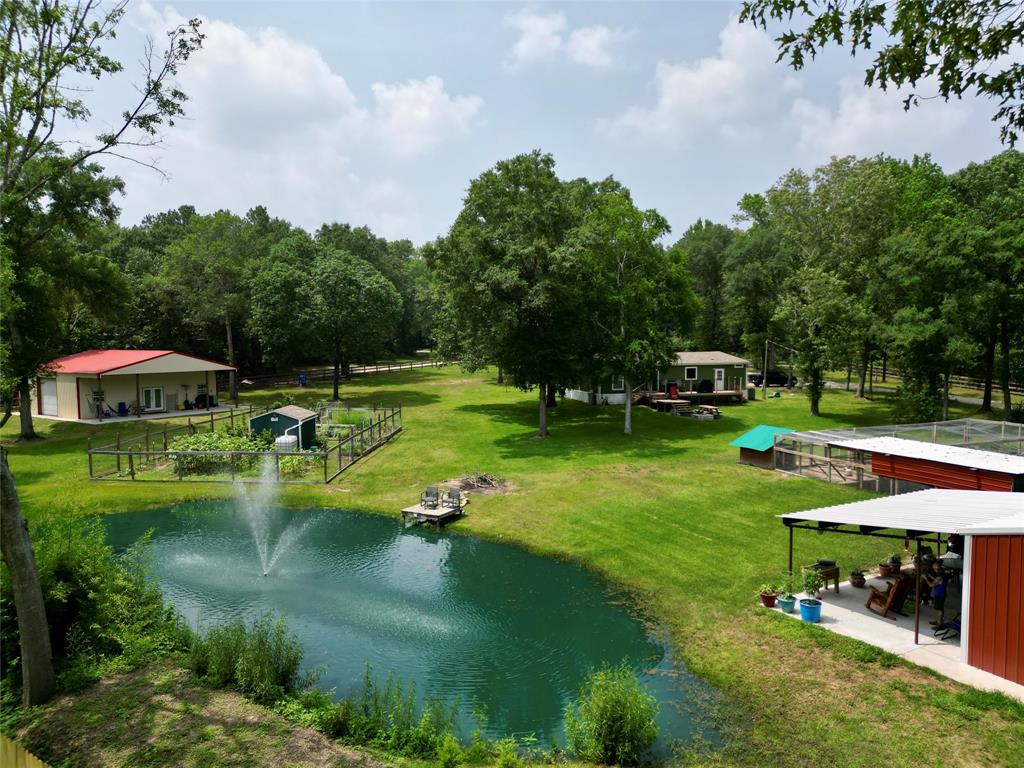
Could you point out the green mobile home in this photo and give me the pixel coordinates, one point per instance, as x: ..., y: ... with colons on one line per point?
x: 705, y: 372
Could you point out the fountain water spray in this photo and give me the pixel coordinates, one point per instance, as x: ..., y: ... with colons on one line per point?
x: 257, y: 502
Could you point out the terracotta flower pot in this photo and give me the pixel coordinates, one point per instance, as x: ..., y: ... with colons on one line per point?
x: 768, y: 599
x: 884, y: 570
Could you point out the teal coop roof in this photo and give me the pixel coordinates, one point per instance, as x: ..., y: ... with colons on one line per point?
x: 760, y: 438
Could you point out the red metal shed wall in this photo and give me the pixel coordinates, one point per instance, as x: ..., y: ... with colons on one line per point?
x: 940, y: 475
x: 996, y: 637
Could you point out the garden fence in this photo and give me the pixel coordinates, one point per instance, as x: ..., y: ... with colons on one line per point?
x: 147, y: 457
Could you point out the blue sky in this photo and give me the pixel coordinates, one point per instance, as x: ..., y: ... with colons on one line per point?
x: 380, y: 113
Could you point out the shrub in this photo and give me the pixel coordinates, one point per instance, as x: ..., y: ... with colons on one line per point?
x: 915, y: 403
x: 212, y: 441
x: 613, y: 719
x: 449, y: 752
x: 260, y: 660
x: 506, y: 753
x: 385, y: 716
x: 104, y: 611
x: 298, y: 464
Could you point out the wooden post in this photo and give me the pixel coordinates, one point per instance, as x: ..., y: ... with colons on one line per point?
x: 88, y: 447
x: 147, y: 439
x: 917, y: 595
x: 231, y: 464
x: 231, y: 418
x: 131, y: 465
x: 178, y: 465
x: 165, y: 438
x: 325, y: 462
x: 277, y: 466
x: 212, y: 427
x: 118, y: 448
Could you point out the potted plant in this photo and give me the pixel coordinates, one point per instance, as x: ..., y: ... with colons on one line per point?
x: 884, y: 569
x: 857, y: 579
x: 786, y: 598
x: 768, y: 592
x: 810, y: 606
x: 895, y: 563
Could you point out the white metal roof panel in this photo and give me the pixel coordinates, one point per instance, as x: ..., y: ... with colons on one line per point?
x: 937, y: 510
x: 944, y: 454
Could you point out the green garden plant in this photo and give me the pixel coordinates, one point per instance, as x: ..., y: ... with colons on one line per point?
x: 612, y: 720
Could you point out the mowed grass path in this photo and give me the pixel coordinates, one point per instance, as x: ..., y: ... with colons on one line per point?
x: 667, y: 513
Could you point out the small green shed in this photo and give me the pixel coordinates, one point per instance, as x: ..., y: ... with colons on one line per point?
x: 757, y: 447
x: 287, y: 420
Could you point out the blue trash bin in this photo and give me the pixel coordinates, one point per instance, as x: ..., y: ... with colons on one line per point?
x: 302, y: 379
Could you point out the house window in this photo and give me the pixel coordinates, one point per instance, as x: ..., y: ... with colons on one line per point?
x: 690, y: 373
x: 618, y: 383
x: 200, y: 389
x: 153, y: 399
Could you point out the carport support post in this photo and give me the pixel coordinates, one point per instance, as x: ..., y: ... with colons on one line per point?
x: 138, y: 398
x: 917, y: 595
x: 791, y: 550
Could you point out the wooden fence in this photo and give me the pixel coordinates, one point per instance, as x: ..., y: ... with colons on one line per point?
x: 324, y: 375
x: 13, y: 755
x: 139, y: 460
x: 960, y: 381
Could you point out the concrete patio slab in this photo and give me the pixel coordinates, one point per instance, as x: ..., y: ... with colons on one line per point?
x: 844, y: 613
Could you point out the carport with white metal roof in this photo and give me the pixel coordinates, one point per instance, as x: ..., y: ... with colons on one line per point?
x: 930, y: 515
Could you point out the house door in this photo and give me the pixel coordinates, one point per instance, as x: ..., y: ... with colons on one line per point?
x: 153, y: 399
x: 48, y: 393
x: 719, y: 379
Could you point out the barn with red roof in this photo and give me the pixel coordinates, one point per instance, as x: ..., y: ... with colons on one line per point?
x: 108, y: 383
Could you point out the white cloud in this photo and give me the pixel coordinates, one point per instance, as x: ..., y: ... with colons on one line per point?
x: 546, y: 36
x: 415, y: 116
x: 269, y: 121
x: 867, y: 121
x: 592, y: 46
x: 726, y: 89
x: 540, y: 37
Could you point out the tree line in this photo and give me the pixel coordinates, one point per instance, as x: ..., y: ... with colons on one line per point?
x: 874, y: 261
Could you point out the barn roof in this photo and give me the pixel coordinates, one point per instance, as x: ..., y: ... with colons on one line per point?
x: 760, y: 438
x: 99, y: 361
x: 937, y: 510
x: 708, y: 358
x: 943, y: 454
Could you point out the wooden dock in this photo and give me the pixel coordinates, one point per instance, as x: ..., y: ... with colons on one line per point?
x: 418, y: 514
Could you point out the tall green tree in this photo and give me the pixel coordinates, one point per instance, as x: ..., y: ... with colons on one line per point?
x: 992, y: 198
x: 816, y: 311
x: 353, y: 309
x: 705, y: 244
x: 49, y: 49
x: 506, y: 280
x: 639, y: 299
x: 945, y: 47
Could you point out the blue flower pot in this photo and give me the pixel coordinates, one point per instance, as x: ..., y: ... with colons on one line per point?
x: 787, y: 605
x: 810, y: 610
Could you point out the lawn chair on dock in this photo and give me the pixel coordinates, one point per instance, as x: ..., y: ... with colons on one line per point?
x: 430, y: 499
x: 452, y: 498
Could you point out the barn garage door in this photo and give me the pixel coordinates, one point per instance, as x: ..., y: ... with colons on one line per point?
x: 49, y: 393
x: 996, y: 637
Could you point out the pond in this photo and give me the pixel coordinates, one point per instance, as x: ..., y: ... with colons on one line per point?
x: 486, y: 624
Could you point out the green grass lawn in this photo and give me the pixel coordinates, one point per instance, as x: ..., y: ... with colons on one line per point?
x: 667, y: 513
